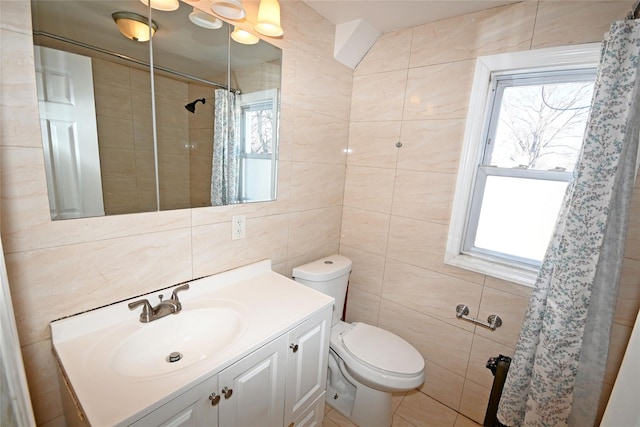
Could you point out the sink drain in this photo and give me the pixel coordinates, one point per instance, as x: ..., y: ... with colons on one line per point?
x: 174, y: 357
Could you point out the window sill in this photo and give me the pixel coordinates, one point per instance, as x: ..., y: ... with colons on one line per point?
x: 525, y: 276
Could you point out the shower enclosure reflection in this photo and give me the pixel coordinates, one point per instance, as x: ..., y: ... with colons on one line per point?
x: 198, y: 103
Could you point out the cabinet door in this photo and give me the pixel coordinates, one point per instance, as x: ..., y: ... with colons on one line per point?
x: 253, y: 388
x: 196, y: 407
x: 307, y: 364
x: 313, y: 416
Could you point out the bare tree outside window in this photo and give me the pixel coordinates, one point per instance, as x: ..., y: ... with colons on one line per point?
x: 533, y: 143
x: 541, y: 126
x: 261, y: 131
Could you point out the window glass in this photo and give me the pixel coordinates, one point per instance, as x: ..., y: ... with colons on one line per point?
x: 517, y: 216
x: 258, y: 128
x: 523, y: 135
x: 536, y: 127
x: 540, y: 125
x: 258, y: 162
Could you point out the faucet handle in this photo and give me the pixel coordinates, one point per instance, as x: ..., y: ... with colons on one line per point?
x: 147, y: 310
x: 174, y: 294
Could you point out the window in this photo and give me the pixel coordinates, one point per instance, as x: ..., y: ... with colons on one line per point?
x: 524, y: 132
x: 258, y: 132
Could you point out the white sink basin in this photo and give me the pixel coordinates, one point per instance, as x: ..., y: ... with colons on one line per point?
x: 189, y: 337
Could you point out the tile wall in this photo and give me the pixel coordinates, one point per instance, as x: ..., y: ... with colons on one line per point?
x: 386, y: 208
x: 413, y: 87
x: 200, y: 146
x: 64, y: 267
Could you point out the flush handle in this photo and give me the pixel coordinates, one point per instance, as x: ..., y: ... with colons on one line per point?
x: 214, y: 398
x: 227, y: 392
x: 294, y: 347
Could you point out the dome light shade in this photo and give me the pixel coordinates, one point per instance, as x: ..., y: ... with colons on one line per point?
x: 166, y: 5
x: 269, y: 18
x: 204, y: 20
x: 243, y: 37
x: 134, y: 26
x: 230, y: 9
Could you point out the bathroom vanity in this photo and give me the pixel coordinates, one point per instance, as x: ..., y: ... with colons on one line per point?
x: 249, y: 347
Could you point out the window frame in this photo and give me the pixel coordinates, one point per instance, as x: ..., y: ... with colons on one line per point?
x: 476, y: 129
x: 246, y: 102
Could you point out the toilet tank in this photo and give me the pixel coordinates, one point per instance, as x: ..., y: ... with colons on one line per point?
x: 329, y: 275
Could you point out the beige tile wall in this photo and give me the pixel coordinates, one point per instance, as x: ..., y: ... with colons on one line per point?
x: 396, y: 201
x: 126, y: 153
x: 60, y: 268
x: 200, y: 146
x: 413, y: 86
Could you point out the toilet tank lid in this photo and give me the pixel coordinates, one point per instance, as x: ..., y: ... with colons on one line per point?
x: 326, y: 268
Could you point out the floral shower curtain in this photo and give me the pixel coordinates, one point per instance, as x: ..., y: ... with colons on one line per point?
x: 226, y: 150
x: 558, y: 366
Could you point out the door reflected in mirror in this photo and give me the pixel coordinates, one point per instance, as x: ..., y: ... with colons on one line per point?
x: 214, y: 135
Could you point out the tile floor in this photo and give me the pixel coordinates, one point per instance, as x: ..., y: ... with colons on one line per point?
x: 413, y: 409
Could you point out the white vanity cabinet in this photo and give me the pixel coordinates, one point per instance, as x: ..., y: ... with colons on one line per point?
x: 307, y: 369
x: 280, y: 384
x: 252, y: 389
x: 253, y: 349
x: 193, y: 408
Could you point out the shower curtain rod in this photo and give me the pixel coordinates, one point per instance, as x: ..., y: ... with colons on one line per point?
x: 128, y: 58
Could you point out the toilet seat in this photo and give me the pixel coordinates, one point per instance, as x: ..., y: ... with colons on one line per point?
x: 377, y: 358
x: 382, y: 349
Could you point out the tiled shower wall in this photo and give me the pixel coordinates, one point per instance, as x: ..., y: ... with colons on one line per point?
x: 413, y: 87
x: 64, y: 267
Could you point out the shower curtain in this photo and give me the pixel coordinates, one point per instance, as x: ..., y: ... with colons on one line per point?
x: 558, y: 366
x: 226, y: 150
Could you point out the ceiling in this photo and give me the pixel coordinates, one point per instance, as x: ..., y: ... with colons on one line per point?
x: 178, y: 44
x: 389, y: 15
x: 359, y: 23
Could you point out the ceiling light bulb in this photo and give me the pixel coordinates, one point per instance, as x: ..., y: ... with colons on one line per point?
x: 269, y: 18
x: 230, y: 9
x: 134, y: 26
x: 243, y: 37
x: 204, y: 20
x: 166, y: 5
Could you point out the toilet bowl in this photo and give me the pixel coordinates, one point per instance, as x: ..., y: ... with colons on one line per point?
x: 366, y: 363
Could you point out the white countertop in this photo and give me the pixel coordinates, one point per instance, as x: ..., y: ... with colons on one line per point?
x: 273, y: 304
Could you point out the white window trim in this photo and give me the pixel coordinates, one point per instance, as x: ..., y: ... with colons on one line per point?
x: 556, y: 58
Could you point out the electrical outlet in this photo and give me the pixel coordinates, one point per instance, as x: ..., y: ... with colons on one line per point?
x: 238, y: 226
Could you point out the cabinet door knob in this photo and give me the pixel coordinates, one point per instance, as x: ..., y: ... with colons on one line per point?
x: 214, y: 398
x: 227, y: 392
x: 294, y: 347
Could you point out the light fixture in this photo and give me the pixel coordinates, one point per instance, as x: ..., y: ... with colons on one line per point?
x: 204, y: 20
x: 230, y: 9
x: 134, y: 26
x: 244, y: 37
x: 166, y: 5
x: 269, y: 18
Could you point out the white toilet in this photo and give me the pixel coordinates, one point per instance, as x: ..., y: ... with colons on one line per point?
x: 366, y: 363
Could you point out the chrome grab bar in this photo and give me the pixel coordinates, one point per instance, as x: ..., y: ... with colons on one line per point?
x: 494, y: 321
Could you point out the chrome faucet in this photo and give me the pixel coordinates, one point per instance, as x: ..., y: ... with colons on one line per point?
x: 164, y: 308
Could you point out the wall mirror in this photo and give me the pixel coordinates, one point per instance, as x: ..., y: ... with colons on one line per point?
x: 197, y: 128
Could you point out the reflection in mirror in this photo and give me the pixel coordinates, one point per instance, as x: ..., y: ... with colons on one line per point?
x: 191, y: 69
x: 257, y: 117
x: 92, y: 104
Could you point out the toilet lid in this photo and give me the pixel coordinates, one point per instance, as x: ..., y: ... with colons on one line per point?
x: 382, y: 349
